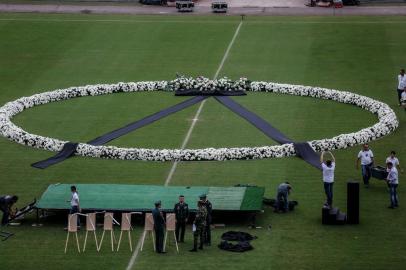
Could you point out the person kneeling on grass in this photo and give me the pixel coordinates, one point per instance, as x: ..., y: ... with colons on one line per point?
x: 282, y: 202
x: 403, y: 99
x: 328, y: 167
x: 393, y: 183
x: 6, y: 202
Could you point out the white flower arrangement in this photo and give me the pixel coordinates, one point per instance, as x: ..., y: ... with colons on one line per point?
x: 387, y: 120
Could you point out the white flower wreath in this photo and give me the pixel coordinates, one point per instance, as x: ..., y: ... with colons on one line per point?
x: 387, y: 121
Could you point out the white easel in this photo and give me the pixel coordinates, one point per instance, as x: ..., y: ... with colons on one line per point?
x: 171, y: 226
x: 148, y: 227
x: 72, y: 228
x: 108, y: 226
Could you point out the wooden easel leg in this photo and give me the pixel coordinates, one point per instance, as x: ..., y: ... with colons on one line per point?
x: 143, y: 239
x: 111, y: 238
x: 84, y: 245
x: 129, y: 240
x: 176, y: 242
x: 153, y: 240
x: 77, y: 241
x: 101, y: 241
x: 166, y: 236
x: 119, y: 240
x: 66, y: 243
x: 95, y: 239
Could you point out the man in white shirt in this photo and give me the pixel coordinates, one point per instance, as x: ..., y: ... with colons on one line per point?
x: 367, y: 161
x: 74, y: 202
x: 328, y: 167
x: 394, y: 160
x: 393, y: 182
x: 401, y: 84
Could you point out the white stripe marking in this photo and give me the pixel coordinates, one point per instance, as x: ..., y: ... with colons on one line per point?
x: 133, y: 259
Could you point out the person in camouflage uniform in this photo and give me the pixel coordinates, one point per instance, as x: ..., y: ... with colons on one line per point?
x: 200, y: 224
x: 207, y: 230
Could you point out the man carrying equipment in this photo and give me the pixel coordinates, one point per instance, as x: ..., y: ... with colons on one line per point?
x: 328, y: 167
x: 367, y: 161
x: 282, y: 202
x: 199, y: 225
x: 6, y: 202
x: 181, y: 211
x: 393, y: 182
x: 159, y: 225
x: 209, y: 207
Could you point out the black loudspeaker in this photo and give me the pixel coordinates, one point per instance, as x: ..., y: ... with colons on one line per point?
x: 352, y: 202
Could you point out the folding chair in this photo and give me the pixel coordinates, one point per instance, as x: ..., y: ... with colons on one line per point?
x: 108, y: 226
x: 170, y: 227
x: 72, y: 228
x: 148, y: 228
x: 90, y: 227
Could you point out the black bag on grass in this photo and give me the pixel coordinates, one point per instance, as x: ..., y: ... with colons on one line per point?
x: 239, y: 247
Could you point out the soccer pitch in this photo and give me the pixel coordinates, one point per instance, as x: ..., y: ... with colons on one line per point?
x: 358, y: 54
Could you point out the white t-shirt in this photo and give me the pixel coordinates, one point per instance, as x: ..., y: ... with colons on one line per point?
x: 401, y: 82
x: 393, y: 176
x: 366, y: 157
x: 75, y: 199
x: 328, y: 172
x: 395, y: 161
x: 403, y: 96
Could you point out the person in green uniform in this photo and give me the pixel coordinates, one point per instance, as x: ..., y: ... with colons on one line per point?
x: 181, y: 211
x: 159, y: 225
x: 199, y: 225
x: 207, y: 230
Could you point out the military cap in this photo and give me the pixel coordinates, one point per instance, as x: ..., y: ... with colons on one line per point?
x: 203, y: 196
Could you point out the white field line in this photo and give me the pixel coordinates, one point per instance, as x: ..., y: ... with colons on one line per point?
x: 196, y: 117
x: 133, y: 259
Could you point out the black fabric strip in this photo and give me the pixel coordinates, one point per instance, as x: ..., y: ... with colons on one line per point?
x: 303, y: 150
x: 69, y: 148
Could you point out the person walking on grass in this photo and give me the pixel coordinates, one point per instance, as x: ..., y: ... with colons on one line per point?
x: 394, y: 160
x: 401, y: 84
x: 328, y: 168
x: 403, y: 99
x: 74, y: 203
x: 366, y: 156
x: 393, y: 182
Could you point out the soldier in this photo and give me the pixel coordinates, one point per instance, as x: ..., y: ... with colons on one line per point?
x: 181, y: 211
x: 199, y: 225
x: 159, y: 224
x: 207, y: 231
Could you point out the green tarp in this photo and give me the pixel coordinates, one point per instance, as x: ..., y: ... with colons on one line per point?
x: 142, y: 197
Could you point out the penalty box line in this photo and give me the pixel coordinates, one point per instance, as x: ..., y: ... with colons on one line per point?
x: 134, y: 256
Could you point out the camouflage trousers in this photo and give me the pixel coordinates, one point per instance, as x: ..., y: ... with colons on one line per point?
x: 199, y: 233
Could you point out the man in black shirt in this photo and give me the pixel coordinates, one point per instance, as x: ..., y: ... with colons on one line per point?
x: 181, y: 211
x: 159, y: 227
x: 6, y: 202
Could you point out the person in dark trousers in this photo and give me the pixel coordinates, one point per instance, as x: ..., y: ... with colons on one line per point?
x: 282, y: 202
x: 74, y: 203
x: 209, y: 208
x: 328, y: 168
x: 159, y: 227
x: 181, y: 211
x: 401, y: 84
x: 199, y: 225
x: 393, y: 182
x: 367, y: 161
x: 6, y: 202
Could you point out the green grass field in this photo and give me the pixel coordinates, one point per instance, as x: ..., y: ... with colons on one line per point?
x: 359, y: 54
